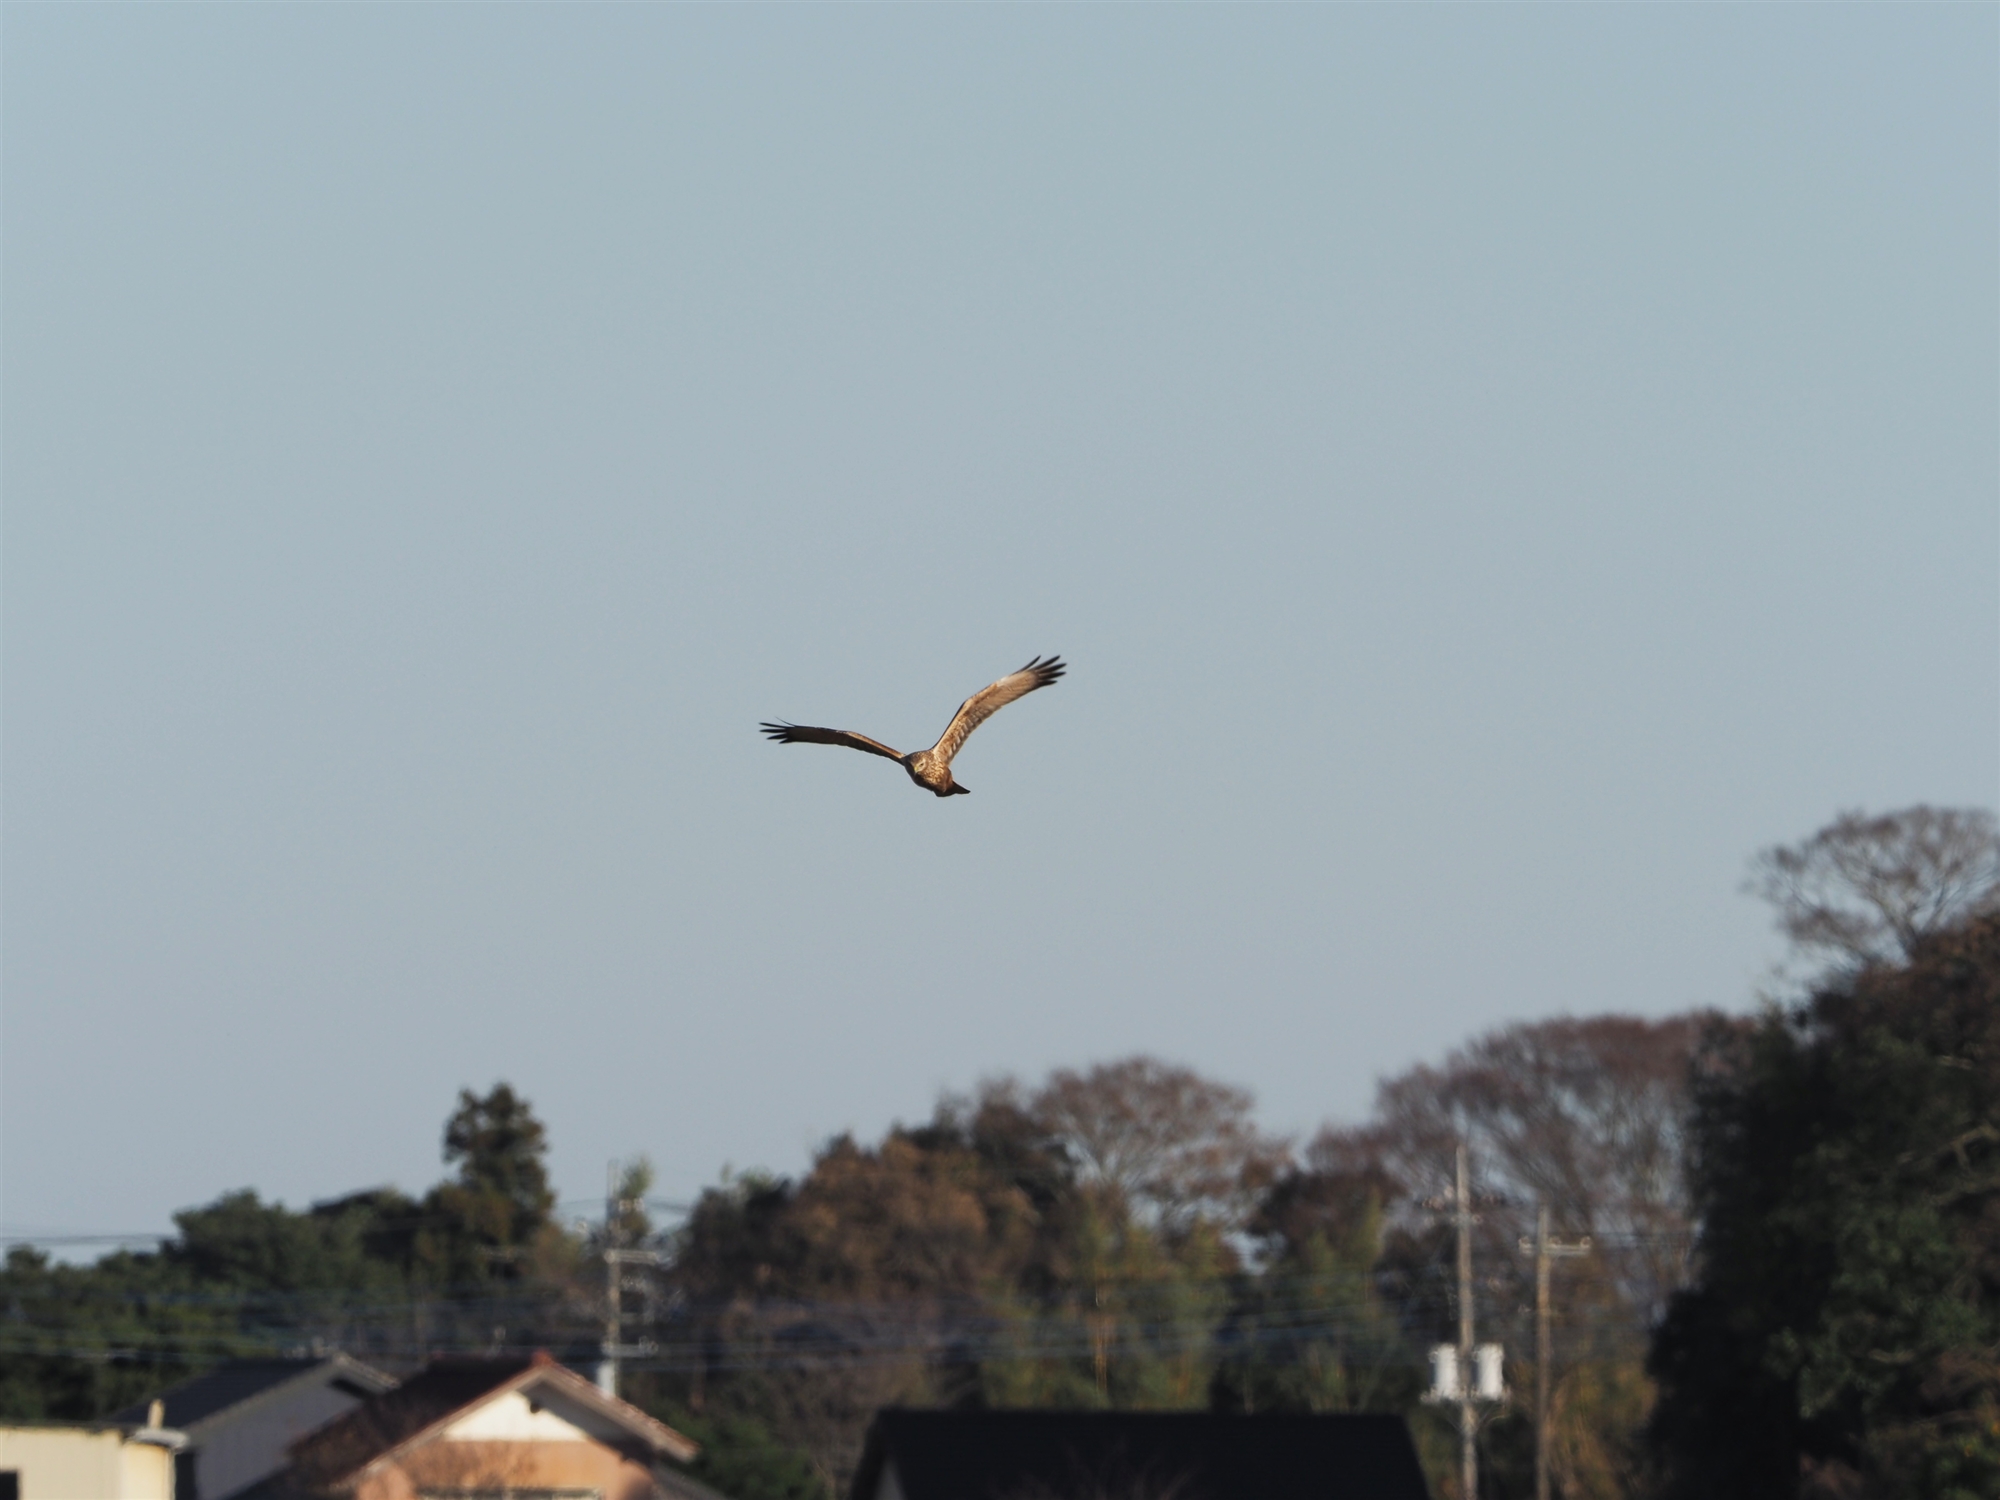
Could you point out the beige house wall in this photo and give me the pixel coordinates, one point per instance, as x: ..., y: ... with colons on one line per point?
x: 86, y: 1463
x: 443, y: 1468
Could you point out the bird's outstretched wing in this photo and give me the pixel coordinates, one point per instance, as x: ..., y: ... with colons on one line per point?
x: 802, y: 734
x: 988, y: 701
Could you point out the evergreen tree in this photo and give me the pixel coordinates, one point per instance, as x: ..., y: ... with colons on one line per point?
x: 1310, y: 1332
x: 242, y: 1277
x: 82, y: 1341
x: 493, y: 1222
x: 1840, y: 1338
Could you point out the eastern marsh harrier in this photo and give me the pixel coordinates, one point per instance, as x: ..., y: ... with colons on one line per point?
x: 931, y: 769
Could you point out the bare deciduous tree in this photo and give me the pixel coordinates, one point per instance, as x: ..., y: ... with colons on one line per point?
x: 1585, y: 1115
x: 1868, y: 889
x: 1171, y: 1143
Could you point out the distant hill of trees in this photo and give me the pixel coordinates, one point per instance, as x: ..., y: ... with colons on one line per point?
x: 1795, y: 1222
x: 378, y: 1273
x: 1117, y: 1236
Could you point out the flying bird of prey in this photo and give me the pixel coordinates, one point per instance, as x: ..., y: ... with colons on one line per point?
x: 931, y: 769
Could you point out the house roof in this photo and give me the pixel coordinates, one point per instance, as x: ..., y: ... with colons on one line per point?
x: 1085, y: 1455
x: 244, y: 1380
x: 676, y: 1485
x: 443, y: 1390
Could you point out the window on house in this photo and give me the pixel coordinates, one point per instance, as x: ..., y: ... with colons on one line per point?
x: 10, y: 1484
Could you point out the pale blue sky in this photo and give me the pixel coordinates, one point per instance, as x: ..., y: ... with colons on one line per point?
x: 1490, y: 469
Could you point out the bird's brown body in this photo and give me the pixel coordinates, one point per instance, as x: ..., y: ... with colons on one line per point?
x: 931, y: 769
x: 931, y: 773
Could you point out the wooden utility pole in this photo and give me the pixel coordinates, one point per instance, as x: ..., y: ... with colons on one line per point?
x: 1466, y: 1374
x: 1547, y: 1250
x: 1468, y: 1424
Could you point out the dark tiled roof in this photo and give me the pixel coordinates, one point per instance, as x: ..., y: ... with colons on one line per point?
x: 205, y: 1395
x: 676, y: 1485
x: 372, y: 1429
x: 1073, y: 1455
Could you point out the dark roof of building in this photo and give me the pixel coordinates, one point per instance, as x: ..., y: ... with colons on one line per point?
x: 676, y: 1485
x: 1087, y: 1455
x: 440, y: 1390
x: 245, y: 1379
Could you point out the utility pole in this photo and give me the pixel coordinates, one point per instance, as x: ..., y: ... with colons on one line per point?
x: 1468, y: 1426
x: 1466, y: 1374
x: 615, y: 1260
x: 1547, y: 1250
x: 607, y: 1370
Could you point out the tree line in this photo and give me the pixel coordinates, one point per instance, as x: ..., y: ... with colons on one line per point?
x: 378, y: 1273
x: 1794, y: 1223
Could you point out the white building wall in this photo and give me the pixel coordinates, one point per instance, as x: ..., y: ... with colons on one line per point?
x: 534, y: 1415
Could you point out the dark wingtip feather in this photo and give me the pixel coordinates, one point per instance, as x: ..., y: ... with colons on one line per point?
x: 1048, y: 671
x: 782, y: 733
